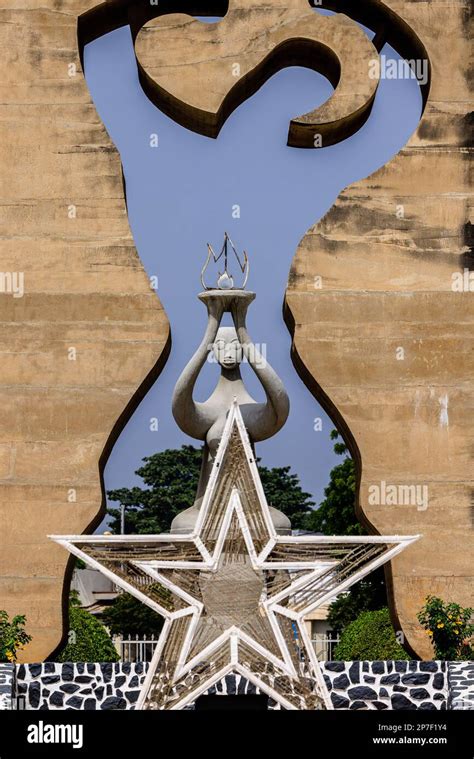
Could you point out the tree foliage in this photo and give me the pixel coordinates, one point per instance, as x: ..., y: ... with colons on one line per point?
x: 283, y: 491
x: 13, y: 636
x: 369, y: 637
x: 336, y: 516
x: 368, y: 594
x: 449, y: 627
x: 88, y: 640
x: 128, y: 616
x: 171, y: 478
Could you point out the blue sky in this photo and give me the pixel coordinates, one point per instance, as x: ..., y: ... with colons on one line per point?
x: 182, y: 194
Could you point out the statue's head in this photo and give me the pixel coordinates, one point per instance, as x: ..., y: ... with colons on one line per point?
x: 227, y: 348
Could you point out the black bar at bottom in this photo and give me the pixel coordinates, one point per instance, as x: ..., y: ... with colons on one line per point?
x: 130, y: 734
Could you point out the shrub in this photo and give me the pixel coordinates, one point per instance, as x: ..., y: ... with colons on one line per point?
x: 13, y: 636
x: 449, y: 627
x: 128, y: 616
x: 370, y: 636
x: 88, y: 639
x: 368, y: 594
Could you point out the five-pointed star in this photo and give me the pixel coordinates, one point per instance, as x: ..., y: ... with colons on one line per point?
x: 234, y: 594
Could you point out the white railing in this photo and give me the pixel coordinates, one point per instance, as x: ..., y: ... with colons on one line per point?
x: 324, y: 645
x: 141, y: 649
x: 136, y: 649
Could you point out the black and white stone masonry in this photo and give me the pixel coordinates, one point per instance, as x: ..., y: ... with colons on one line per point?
x: 397, y: 685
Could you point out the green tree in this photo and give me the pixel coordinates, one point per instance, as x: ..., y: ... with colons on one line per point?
x: 336, y: 516
x: 13, y: 636
x: 283, y: 491
x: 370, y: 636
x: 449, y: 627
x: 88, y: 640
x: 368, y: 594
x: 128, y: 616
x: 171, y: 479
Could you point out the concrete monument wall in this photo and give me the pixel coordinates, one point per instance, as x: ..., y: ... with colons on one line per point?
x: 385, y: 344
x: 78, y: 344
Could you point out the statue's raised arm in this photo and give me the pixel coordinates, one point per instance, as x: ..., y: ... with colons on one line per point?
x: 264, y: 419
x: 192, y: 417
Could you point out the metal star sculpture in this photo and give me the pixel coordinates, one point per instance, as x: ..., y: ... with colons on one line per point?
x: 234, y: 594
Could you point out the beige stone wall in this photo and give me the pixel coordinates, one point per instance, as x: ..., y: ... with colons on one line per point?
x: 387, y: 284
x: 85, y: 288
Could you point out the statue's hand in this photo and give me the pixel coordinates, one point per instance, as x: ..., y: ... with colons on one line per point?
x: 239, y: 307
x: 235, y: 301
x: 214, y: 304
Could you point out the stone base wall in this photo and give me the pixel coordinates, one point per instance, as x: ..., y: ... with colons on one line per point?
x: 394, y: 685
x: 81, y: 685
x: 461, y: 685
x: 387, y: 684
x: 7, y: 686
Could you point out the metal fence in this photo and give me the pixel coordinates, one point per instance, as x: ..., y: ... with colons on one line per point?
x: 139, y: 649
x: 136, y: 649
x: 324, y: 645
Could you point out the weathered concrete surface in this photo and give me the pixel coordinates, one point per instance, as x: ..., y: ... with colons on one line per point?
x: 84, y: 289
x: 198, y: 73
x: 387, y: 284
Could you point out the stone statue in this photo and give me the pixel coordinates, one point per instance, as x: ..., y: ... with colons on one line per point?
x: 205, y: 421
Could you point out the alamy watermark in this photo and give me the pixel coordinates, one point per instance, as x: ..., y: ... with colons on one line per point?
x: 462, y: 281
x: 232, y: 354
x: 44, y: 732
x: 381, y: 494
x: 12, y: 283
x: 399, y: 68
